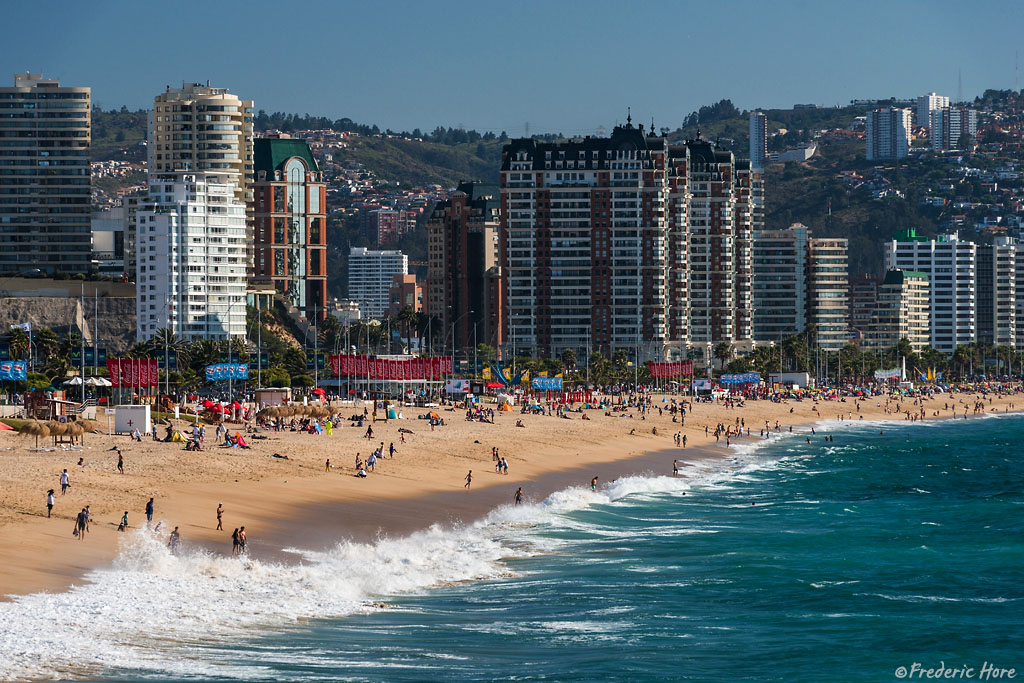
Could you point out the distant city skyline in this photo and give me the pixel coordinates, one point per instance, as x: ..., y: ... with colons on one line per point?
x: 503, y: 66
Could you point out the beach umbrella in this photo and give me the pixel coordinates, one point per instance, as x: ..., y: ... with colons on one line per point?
x: 35, y: 428
x: 56, y: 429
x: 75, y: 431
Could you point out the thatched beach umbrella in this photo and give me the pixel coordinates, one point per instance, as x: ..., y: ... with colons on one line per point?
x: 56, y: 429
x: 75, y: 431
x: 35, y: 428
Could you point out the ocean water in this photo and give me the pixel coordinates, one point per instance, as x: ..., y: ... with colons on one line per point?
x: 893, y: 545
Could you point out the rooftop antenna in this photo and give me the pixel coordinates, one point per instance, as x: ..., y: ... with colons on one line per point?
x: 959, y: 86
x: 629, y: 118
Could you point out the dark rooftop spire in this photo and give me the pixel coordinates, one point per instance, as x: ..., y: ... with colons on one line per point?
x: 629, y: 118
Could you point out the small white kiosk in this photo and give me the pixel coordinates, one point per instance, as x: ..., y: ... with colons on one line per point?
x: 129, y: 418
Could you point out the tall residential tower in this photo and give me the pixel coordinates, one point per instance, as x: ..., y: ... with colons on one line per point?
x: 199, y: 128
x: 45, y: 190
x: 291, y: 223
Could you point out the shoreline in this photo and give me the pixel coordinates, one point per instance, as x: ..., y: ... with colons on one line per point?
x: 294, y: 503
x: 313, y: 528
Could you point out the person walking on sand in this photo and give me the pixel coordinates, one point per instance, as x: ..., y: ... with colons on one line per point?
x: 123, y: 526
x: 149, y: 512
x: 80, y: 525
x: 327, y: 466
x: 49, y: 502
x: 220, y: 515
x: 120, y: 462
x: 519, y: 496
x: 65, y: 482
x: 469, y: 479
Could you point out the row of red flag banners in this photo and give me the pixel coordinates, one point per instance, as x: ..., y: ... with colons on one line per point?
x: 679, y: 369
x: 133, y: 372
x: 142, y: 372
x: 395, y: 370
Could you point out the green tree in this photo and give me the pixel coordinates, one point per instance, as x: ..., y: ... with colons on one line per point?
x: 599, y: 368
x: 723, y: 352
x: 569, y: 359
x: 276, y: 377
x: 294, y: 362
x: 19, y: 345
x: 620, y: 362
x: 47, y: 343
x: 486, y: 354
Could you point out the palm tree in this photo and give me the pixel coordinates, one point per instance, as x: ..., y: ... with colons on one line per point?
x: 201, y: 353
x: 19, y: 344
x: 569, y: 359
x: 599, y: 369
x: 330, y: 333
x: 407, y: 318
x: 723, y: 352
x: 620, y: 361
x: 139, y: 350
x: 961, y: 358
x: 47, y: 343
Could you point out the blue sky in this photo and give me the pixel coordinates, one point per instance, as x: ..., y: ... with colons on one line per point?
x: 559, y: 65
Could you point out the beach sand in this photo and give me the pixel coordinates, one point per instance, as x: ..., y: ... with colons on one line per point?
x: 294, y: 502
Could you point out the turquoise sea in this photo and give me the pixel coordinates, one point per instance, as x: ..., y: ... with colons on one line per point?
x: 893, y: 545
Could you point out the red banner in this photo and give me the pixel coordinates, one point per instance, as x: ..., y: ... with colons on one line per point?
x: 154, y: 373
x: 665, y: 370
x: 345, y: 365
x: 114, y: 369
x: 143, y: 373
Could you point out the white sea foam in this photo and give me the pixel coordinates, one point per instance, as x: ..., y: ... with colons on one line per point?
x: 174, y: 613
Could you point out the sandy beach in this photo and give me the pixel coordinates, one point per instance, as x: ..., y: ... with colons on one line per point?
x: 296, y: 502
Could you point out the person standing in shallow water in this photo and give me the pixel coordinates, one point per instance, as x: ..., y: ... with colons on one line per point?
x: 519, y: 496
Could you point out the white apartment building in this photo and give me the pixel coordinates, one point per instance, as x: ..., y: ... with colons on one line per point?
x: 888, y: 134
x: 370, y: 276
x: 952, y: 128
x: 901, y: 311
x: 199, y: 128
x: 191, y: 270
x: 828, y: 290
x: 780, y: 282
x: 926, y: 104
x: 950, y: 265
x: 758, y: 139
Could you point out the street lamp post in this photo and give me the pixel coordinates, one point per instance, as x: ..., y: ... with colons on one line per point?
x: 452, y: 332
